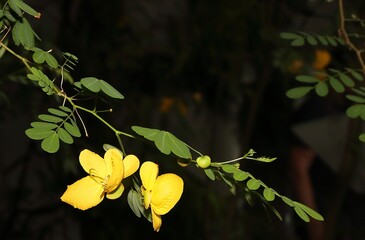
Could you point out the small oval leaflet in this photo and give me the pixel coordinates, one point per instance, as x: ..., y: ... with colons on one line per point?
x: 253, y: 184
x: 51, y: 144
x: 269, y: 194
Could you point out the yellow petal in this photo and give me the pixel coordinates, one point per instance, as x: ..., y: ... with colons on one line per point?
x: 93, y: 164
x: 113, y: 152
x: 166, y: 193
x: 84, y: 193
x: 156, y: 221
x: 148, y: 173
x: 131, y: 165
x: 116, y: 193
x: 114, y: 162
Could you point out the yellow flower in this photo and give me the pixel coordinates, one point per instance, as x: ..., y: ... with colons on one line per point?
x: 161, y: 193
x: 105, y: 178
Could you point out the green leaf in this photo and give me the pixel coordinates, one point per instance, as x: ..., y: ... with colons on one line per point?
x: 355, y: 74
x: 39, y: 56
x: 9, y: 16
x: 288, y: 201
x: 289, y: 35
x: 225, y: 179
x: 110, y: 90
x: 332, y: 41
x: 16, y: 32
x: 164, y: 141
x: 210, y: 174
x: 355, y: 110
x: 362, y: 137
x: 355, y: 98
x: 359, y: 91
x: 323, y: 40
x: 347, y: 80
x: 301, y: 214
x: 167, y: 142
x: 91, y: 83
x: 26, y: 34
x: 148, y: 133
x: 49, y: 118
x: 310, y: 211
x: 51, y: 60
x: 336, y: 85
x: 66, y: 109
x: 312, y: 40
x: 26, y: 8
x: 38, y: 133
x: 269, y: 194
x: 229, y: 168
x: 321, y: 89
x: 57, y: 112
x: 306, y: 79
x: 133, y: 202
x: 298, y: 92
x: 298, y: 42
x: 240, y: 175
x: 65, y: 136
x: 72, y: 129
x: 253, y: 184
x: 15, y: 7
x: 44, y: 125
x: 51, y: 144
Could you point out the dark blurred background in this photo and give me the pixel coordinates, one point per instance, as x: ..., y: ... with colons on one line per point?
x: 212, y: 72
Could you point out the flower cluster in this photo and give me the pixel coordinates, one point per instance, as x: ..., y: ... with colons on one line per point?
x: 105, y: 177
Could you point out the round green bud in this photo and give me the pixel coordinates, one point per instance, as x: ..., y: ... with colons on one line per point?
x: 203, y: 161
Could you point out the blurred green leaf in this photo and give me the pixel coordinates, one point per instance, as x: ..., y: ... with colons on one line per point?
x: 323, y: 40
x: 312, y: 41
x: 358, y: 76
x: 289, y: 35
x: 306, y: 79
x: 298, y: 42
x: 355, y: 110
x: 321, y: 89
x: 332, y: 41
x: 347, y: 80
x: 298, y: 92
x: 336, y: 84
x: 362, y: 137
x: 355, y: 98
